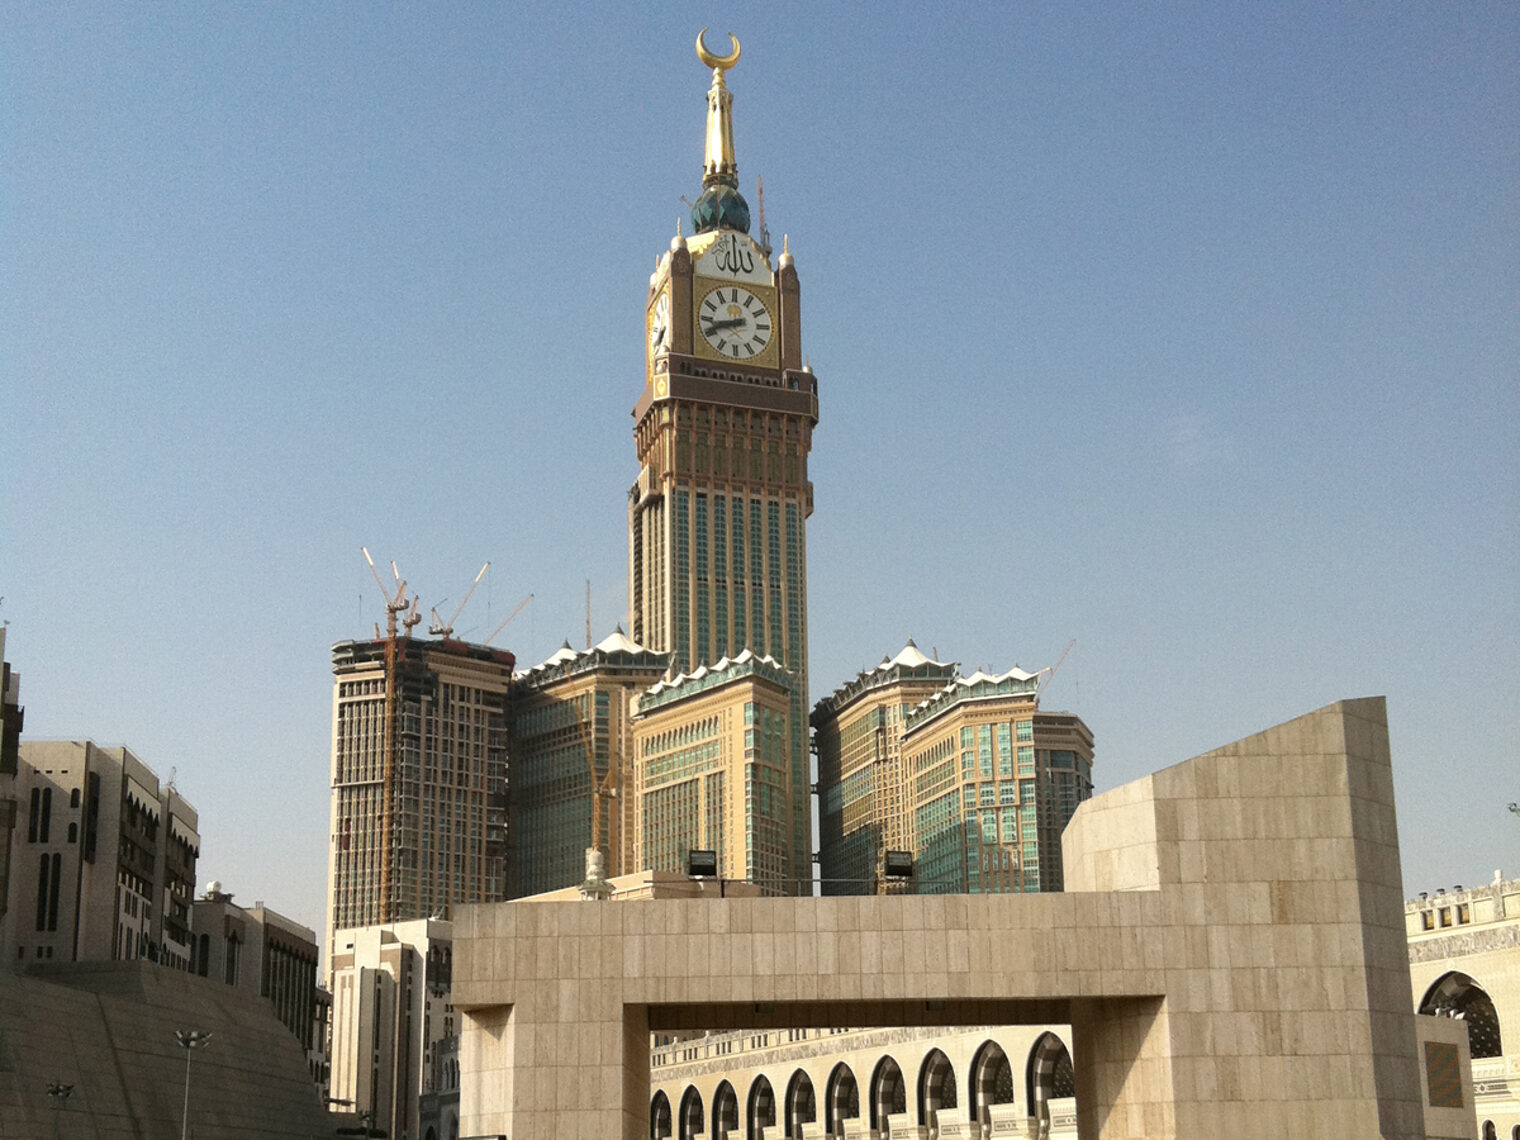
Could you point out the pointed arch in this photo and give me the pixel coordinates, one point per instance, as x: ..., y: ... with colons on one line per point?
x: 801, y: 1104
x: 660, y: 1122
x: 761, y: 1112
x: 843, y: 1100
x: 725, y: 1112
x: 889, y: 1093
x: 691, y: 1120
x: 1048, y: 1075
x: 991, y: 1081
x: 1457, y: 995
x: 936, y: 1087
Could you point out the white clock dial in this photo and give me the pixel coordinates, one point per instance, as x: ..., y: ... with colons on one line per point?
x: 659, y: 323
x: 735, y: 322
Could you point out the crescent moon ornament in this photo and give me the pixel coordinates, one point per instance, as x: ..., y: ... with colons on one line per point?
x: 721, y: 62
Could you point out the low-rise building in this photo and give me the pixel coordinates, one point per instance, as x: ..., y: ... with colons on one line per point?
x: 390, y: 1012
x: 1464, y: 964
x: 104, y: 859
x: 260, y: 950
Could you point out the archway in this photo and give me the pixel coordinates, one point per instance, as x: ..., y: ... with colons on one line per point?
x: 991, y: 1082
x: 1457, y: 995
x: 801, y: 1105
x: 843, y: 1100
x: 936, y: 1088
x: 762, y: 1108
x: 889, y: 1093
x: 691, y: 1118
x: 659, y: 1116
x: 725, y: 1112
x: 1049, y: 1075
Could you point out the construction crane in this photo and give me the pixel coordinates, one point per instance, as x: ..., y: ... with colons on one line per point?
x: 603, y: 790
x: 506, y: 620
x: 395, y: 605
x: 1048, y: 673
x: 441, y: 628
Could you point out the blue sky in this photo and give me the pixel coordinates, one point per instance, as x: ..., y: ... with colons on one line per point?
x: 1187, y: 331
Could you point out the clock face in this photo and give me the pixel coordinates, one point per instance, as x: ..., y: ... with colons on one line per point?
x: 734, y: 322
x: 659, y: 323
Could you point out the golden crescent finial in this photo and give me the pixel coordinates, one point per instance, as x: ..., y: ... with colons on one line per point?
x: 722, y: 62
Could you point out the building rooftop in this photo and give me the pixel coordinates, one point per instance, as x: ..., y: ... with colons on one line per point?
x: 726, y: 670
x: 910, y: 664
x: 980, y: 686
x: 615, y: 651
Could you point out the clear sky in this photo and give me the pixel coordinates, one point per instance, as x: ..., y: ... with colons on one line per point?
x: 1187, y: 331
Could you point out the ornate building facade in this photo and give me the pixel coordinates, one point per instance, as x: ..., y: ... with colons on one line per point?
x: 1464, y: 964
x: 717, y: 519
x: 966, y: 774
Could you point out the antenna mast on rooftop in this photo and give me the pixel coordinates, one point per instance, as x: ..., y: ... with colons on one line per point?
x: 765, y: 234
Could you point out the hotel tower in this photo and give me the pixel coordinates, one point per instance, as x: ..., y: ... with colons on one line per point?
x: 717, y: 519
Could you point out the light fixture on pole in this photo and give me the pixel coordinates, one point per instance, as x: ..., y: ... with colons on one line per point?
x: 190, y: 1040
x: 58, y: 1092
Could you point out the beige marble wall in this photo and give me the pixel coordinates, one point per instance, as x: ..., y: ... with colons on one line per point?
x: 1225, y: 954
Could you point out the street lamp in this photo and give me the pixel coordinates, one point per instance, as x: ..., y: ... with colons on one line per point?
x: 59, y: 1092
x: 190, y: 1040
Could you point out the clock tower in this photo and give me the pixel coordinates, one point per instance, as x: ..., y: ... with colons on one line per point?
x: 717, y: 520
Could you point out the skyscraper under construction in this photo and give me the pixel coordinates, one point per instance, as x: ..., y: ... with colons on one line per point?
x: 419, y: 812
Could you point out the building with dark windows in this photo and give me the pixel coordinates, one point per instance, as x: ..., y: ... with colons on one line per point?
x: 965, y: 774
x: 104, y: 859
x: 572, y: 755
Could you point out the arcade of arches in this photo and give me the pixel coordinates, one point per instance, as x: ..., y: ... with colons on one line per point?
x: 838, y: 1083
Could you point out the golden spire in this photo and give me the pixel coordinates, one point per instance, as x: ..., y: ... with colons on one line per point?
x: 719, y: 164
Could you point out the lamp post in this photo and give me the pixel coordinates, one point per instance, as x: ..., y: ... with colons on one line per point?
x: 190, y: 1040
x: 58, y: 1092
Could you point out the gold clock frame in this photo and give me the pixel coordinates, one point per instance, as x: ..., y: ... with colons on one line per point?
x: 770, y: 355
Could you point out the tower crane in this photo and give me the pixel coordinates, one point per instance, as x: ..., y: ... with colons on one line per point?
x: 445, y: 629
x: 604, y: 790
x: 517, y: 610
x: 395, y: 605
x: 1050, y: 671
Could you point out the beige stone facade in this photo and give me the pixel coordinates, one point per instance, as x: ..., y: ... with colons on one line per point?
x: 714, y: 772
x: 104, y: 859
x: 390, y: 1018
x: 1464, y: 955
x: 1229, y: 953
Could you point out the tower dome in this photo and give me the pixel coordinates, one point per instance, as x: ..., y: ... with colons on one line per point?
x: 720, y: 207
